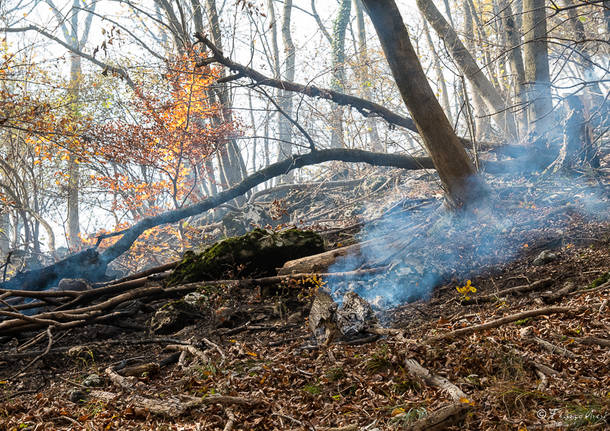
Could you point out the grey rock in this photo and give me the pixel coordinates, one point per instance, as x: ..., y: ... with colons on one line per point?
x: 92, y: 380
x: 544, y: 257
x: 78, y: 284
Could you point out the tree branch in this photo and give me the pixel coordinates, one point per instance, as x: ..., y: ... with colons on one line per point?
x: 259, y: 177
x: 117, y: 70
x: 365, y: 107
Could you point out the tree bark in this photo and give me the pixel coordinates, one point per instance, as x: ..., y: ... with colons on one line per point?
x: 285, y: 126
x: 482, y: 124
x: 536, y: 59
x: 338, y: 70
x: 230, y: 159
x: 365, y: 77
x: 464, y: 60
x: 455, y: 169
x: 516, y: 63
x: 440, y: 79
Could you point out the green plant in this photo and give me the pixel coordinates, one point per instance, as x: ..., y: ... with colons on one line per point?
x: 403, y: 417
x: 379, y: 360
x: 312, y: 389
x: 600, y: 280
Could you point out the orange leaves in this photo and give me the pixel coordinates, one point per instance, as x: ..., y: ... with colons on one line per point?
x: 173, y: 128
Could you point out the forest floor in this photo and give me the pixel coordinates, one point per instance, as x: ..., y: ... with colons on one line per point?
x: 258, y: 367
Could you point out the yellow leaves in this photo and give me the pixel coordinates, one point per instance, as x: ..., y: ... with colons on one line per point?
x: 466, y: 290
x: 398, y: 411
x: 466, y: 401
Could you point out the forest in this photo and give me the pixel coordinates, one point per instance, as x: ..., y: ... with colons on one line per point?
x: 326, y: 215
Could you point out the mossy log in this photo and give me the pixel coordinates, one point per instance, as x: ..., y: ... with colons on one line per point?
x: 258, y: 253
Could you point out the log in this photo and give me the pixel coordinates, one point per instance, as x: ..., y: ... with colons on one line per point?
x: 414, y: 368
x: 443, y: 418
x: 318, y: 262
x: 462, y: 332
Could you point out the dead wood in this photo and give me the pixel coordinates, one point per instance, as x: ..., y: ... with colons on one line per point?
x: 189, y: 349
x: 231, y: 420
x: 44, y: 353
x: 551, y: 297
x: 443, y: 418
x: 527, y: 335
x: 140, y: 369
x: 499, y: 322
x: 414, y: 368
x: 66, y: 316
x: 551, y: 348
x: 592, y: 341
x: 518, y: 290
x: 85, y: 264
x: 126, y: 383
x: 91, y: 265
x: 525, y: 357
x: 321, y: 262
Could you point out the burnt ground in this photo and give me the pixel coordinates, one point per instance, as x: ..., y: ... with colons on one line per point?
x: 259, y: 350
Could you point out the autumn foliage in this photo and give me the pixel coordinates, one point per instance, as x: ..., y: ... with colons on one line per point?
x: 153, y: 159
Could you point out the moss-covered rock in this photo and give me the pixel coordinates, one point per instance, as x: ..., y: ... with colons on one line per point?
x: 258, y: 253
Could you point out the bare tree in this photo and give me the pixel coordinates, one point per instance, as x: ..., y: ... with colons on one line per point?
x: 452, y: 163
x: 465, y: 61
x: 536, y: 59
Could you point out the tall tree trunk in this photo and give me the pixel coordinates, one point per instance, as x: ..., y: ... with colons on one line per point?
x: 464, y: 60
x: 583, y: 59
x: 74, y: 240
x: 208, y: 165
x: 285, y: 147
x: 482, y: 124
x: 455, y: 169
x: 365, y: 78
x: 230, y: 159
x: 606, y: 5
x: 516, y: 63
x: 536, y: 59
x: 5, y: 228
x: 440, y: 79
x: 338, y: 70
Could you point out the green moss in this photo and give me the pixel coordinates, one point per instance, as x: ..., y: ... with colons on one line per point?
x: 258, y: 253
x: 600, y: 280
x: 312, y: 389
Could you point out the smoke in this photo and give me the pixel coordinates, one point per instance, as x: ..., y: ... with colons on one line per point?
x: 428, y: 245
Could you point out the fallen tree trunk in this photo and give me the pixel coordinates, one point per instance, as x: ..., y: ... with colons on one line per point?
x: 91, y: 264
x: 318, y: 262
x: 85, y: 264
